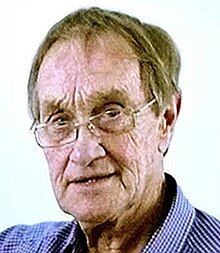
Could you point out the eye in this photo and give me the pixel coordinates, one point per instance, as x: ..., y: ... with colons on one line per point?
x: 112, y: 110
x: 112, y: 113
x: 59, y: 119
x: 109, y: 117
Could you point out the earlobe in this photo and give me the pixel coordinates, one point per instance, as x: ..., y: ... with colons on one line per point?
x: 171, y: 112
x: 167, y: 123
x: 164, y: 136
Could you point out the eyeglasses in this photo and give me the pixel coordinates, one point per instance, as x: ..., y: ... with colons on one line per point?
x: 61, y: 129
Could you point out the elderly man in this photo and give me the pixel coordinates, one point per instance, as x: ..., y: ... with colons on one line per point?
x: 104, y: 99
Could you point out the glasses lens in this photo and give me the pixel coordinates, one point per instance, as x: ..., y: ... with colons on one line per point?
x: 55, y: 135
x: 115, y: 120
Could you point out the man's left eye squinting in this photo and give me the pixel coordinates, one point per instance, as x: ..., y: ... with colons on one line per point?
x: 112, y: 113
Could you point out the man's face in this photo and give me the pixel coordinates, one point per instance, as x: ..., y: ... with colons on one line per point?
x: 98, y: 178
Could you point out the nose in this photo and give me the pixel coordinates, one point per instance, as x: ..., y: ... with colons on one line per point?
x: 86, y: 148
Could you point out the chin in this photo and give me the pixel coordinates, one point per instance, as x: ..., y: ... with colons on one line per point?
x: 92, y: 218
x: 90, y: 215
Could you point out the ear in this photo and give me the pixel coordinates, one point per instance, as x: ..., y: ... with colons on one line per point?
x: 167, y: 122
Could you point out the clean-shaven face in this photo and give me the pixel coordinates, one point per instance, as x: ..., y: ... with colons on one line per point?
x: 97, y: 178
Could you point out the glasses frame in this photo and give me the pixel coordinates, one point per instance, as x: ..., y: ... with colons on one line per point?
x: 35, y: 126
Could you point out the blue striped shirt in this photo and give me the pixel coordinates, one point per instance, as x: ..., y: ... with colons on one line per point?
x: 184, y: 230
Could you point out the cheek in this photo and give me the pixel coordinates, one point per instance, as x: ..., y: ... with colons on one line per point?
x: 57, y: 160
x: 122, y: 149
x: 125, y: 154
x: 132, y: 148
x: 136, y: 155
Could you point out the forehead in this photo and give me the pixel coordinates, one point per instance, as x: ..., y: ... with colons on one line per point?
x: 75, y: 71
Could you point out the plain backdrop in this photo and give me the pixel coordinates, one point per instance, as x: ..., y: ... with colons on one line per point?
x: 194, y: 157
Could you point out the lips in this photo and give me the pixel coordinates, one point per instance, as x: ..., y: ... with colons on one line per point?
x: 92, y: 179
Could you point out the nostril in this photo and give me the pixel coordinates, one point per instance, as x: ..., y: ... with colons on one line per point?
x: 90, y: 126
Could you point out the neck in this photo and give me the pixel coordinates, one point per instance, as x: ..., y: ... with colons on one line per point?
x: 131, y: 231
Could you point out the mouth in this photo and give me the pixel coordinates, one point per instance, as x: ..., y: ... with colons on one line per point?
x: 92, y: 179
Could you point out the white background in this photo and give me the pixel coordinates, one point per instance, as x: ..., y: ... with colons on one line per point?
x: 194, y: 158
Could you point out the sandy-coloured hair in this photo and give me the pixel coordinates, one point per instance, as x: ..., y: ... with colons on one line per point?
x: 156, y: 52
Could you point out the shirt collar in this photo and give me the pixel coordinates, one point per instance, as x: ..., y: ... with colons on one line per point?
x: 171, y: 235
x: 168, y: 238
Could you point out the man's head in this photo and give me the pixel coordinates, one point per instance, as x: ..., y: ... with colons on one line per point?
x: 90, y: 82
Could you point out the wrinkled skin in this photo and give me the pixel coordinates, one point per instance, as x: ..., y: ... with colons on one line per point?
x: 130, y: 164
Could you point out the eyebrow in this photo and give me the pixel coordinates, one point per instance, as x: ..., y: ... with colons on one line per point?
x: 94, y: 101
x: 113, y: 95
x: 54, y: 105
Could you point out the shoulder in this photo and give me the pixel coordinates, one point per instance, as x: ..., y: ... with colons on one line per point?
x: 16, y: 237
x: 25, y: 232
x: 204, y: 234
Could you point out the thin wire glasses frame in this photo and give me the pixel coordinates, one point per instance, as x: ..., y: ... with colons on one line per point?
x: 112, y: 121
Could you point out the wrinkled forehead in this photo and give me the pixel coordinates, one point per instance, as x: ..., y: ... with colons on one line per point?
x: 81, y: 68
x: 93, y: 52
